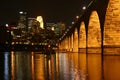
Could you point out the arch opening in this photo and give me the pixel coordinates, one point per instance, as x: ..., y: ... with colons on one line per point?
x: 94, y: 31
x: 75, y: 41
x: 82, y: 36
x: 71, y: 42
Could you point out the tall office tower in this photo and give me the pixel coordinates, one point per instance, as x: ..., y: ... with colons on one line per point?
x: 40, y: 20
x: 23, y: 22
x: 61, y: 27
x: 33, y: 25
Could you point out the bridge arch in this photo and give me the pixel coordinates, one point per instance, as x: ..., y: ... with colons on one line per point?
x: 94, y: 31
x: 75, y: 40
x: 82, y: 36
x: 112, y: 24
x: 67, y: 44
x: 71, y: 42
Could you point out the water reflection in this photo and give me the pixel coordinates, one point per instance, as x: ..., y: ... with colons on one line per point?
x: 70, y: 67
x: 39, y: 66
x: 84, y: 65
x: 6, y: 66
x: 33, y: 66
x: 111, y: 67
x: 64, y: 66
x: 111, y: 63
x: 21, y: 66
x: 94, y: 66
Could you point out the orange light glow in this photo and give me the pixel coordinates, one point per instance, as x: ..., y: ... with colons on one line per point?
x: 82, y: 36
x: 112, y: 24
x: 94, y: 31
x: 75, y: 41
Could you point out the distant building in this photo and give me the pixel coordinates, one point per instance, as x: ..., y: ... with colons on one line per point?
x: 58, y: 28
x: 61, y: 27
x: 40, y: 20
x: 53, y: 27
x: 22, y: 23
x: 33, y: 25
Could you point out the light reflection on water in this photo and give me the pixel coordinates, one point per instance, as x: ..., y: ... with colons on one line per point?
x: 111, y: 68
x: 6, y: 66
x: 94, y: 67
x: 59, y: 66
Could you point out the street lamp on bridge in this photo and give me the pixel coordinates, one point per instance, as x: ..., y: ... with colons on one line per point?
x: 84, y: 7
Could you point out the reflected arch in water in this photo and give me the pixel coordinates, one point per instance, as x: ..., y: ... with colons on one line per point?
x: 82, y: 60
x: 82, y: 36
x: 94, y: 67
x: 111, y: 67
x: 94, y: 31
x: 75, y: 41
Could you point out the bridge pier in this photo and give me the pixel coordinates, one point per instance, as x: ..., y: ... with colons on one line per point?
x: 112, y: 24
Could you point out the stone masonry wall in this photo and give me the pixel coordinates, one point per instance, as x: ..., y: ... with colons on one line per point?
x: 112, y: 24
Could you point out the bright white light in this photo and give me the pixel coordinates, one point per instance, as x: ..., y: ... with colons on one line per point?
x: 6, y: 25
x: 40, y: 20
x: 84, y: 7
x: 77, y: 17
x: 52, y: 29
x: 21, y: 12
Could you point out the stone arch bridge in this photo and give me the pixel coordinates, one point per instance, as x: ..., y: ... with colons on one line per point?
x: 97, y: 27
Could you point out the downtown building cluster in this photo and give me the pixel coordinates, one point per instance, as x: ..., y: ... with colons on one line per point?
x: 34, y: 31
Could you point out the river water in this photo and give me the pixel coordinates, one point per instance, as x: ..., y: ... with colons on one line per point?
x: 84, y: 65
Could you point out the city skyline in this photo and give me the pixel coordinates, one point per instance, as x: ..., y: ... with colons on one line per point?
x: 52, y: 11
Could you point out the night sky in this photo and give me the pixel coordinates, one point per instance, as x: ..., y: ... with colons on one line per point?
x: 51, y: 10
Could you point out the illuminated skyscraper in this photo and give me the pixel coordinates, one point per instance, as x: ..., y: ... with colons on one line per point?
x: 22, y: 23
x: 40, y: 20
x: 33, y: 25
x: 58, y: 28
x: 22, y: 26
